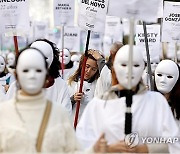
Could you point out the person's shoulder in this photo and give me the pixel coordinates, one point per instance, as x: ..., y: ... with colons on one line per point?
x: 59, y: 79
x: 156, y: 96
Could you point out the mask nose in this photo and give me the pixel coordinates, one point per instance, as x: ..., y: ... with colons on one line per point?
x: 163, y: 79
x: 32, y: 74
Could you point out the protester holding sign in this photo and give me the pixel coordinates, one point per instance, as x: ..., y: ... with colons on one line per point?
x: 90, y: 77
x: 151, y: 116
x: 66, y: 64
x: 105, y: 81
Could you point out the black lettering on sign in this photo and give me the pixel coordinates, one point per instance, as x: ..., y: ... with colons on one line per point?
x: 95, y: 3
x: 149, y: 40
x: 70, y: 34
x: 63, y: 7
x: 85, y: 2
x: 176, y: 19
x: 89, y: 25
x: 1, y: 1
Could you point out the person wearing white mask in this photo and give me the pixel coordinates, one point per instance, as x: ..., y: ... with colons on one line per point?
x: 151, y: 116
x: 105, y: 81
x: 66, y: 66
x: 10, y: 64
x: 75, y: 58
x: 5, y: 78
x: 11, y: 59
x: 167, y: 80
x: 56, y: 88
x: 154, y: 61
x: 30, y: 123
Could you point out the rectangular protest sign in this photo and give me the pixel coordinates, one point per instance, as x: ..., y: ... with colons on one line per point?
x: 153, y: 36
x: 92, y: 15
x: 14, y: 17
x: 71, y: 38
x: 171, y: 22
x: 64, y: 11
x: 114, y: 28
x: 40, y: 29
x: 139, y: 9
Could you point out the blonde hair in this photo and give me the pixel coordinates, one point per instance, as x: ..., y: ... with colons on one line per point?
x: 77, y: 74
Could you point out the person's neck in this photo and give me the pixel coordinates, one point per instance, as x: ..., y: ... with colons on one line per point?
x: 167, y: 96
x: 23, y: 93
x: 122, y: 88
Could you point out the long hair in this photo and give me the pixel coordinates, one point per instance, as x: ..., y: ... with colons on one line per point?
x: 53, y: 71
x: 114, y: 48
x: 175, y: 98
x: 75, y: 77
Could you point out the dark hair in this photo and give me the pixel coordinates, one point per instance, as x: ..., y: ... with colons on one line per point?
x: 175, y: 98
x: 113, y: 50
x: 75, y: 77
x: 53, y: 71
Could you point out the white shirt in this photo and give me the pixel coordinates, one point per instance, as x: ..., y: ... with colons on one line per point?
x: 151, y: 117
x: 58, y: 93
x: 103, y: 82
x: 88, y: 90
x: 18, y: 132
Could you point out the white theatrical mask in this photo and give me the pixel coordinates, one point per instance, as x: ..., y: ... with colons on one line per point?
x: 31, y: 71
x: 121, y: 65
x: 166, y: 76
x: 46, y: 49
x: 2, y: 64
x: 11, y: 59
x: 154, y: 62
x: 75, y: 59
x: 66, y: 57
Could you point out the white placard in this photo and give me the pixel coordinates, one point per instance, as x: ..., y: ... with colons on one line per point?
x: 14, y: 17
x: 114, y: 28
x: 171, y: 22
x: 92, y: 15
x: 95, y: 42
x: 153, y: 35
x: 170, y: 51
x: 139, y: 9
x: 160, y: 9
x: 40, y: 29
x: 71, y: 39
x: 64, y: 11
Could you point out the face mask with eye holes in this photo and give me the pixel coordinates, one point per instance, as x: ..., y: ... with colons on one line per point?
x: 121, y: 66
x: 31, y: 71
x: 2, y: 64
x: 166, y: 76
x: 66, y: 56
